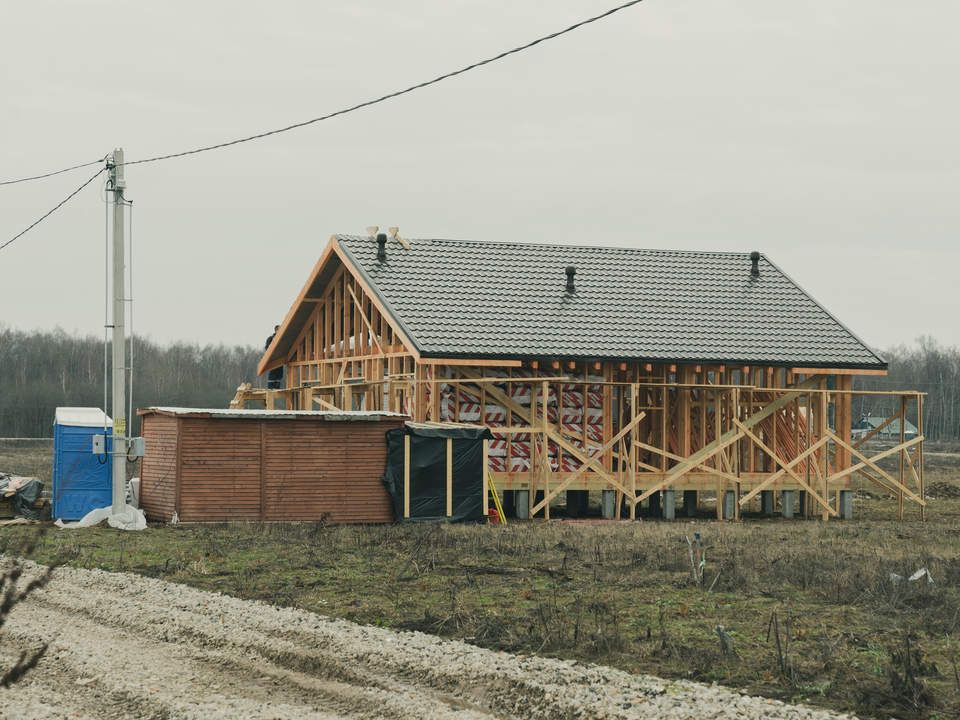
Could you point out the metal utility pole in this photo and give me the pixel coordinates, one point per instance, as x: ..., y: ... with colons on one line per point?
x: 119, y: 340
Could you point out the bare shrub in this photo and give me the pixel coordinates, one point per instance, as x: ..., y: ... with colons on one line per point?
x: 11, y: 593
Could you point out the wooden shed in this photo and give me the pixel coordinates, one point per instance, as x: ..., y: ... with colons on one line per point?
x: 214, y: 465
x: 636, y: 372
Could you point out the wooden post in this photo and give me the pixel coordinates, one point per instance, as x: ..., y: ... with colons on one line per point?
x: 486, y: 484
x: 634, y: 391
x: 546, y: 449
x: 842, y: 426
x: 824, y: 453
x: 904, y: 458
x: 450, y: 477
x: 920, y: 489
x: 406, y: 476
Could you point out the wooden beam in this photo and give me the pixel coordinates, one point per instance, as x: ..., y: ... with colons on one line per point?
x: 449, y: 477
x: 406, y: 476
x: 785, y: 468
x: 376, y: 301
x: 467, y: 361
x: 870, y: 462
x: 585, y: 466
x: 366, y: 322
x: 837, y: 371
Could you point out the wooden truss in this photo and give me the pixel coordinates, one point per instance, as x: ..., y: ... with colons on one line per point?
x: 638, y: 429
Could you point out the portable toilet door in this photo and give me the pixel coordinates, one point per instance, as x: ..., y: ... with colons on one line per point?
x: 82, y: 481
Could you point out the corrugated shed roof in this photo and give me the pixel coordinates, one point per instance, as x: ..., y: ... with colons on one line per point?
x: 509, y: 301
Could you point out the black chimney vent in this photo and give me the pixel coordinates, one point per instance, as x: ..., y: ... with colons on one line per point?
x: 755, y: 267
x: 382, y: 247
x: 571, y: 271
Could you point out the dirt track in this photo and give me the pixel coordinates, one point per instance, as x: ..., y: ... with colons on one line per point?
x: 123, y: 646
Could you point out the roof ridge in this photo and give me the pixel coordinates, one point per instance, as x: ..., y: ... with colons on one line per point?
x: 514, y: 243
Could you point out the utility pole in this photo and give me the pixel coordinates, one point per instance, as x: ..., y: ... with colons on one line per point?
x: 119, y: 340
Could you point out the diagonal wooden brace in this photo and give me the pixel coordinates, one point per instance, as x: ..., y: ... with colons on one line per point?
x: 585, y: 466
x: 871, y: 463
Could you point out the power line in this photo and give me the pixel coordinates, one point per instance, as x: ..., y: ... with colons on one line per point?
x: 58, y: 172
x: 324, y: 117
x: 347, y: 110
x: 392, y: 95
x: 55, y: 209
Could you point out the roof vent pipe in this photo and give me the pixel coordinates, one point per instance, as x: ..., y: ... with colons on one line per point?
x: 755, y: 267
x: 381, y: 247
x: 571, y: 271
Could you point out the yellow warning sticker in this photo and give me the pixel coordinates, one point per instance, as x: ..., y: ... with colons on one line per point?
x: 119, y: 426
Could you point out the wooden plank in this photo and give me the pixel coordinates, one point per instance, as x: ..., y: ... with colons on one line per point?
x: 871, y: 462
x: 406, y: 476
x: 786, y: 468
x: 449, y: 477
x: 373, y: 335
x: 586, y: 466
x: 486, y: 475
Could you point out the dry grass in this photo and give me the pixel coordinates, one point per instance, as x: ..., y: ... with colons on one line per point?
x: 810, y: 606
x: 30, y: 458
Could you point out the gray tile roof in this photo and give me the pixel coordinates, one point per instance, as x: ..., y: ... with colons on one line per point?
x: 509, y: 301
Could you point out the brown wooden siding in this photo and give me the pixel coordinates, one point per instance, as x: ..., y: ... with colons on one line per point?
x: 220, y: 470
x: 275, y: 470
x: 330, y: 467
x: 158, y: 469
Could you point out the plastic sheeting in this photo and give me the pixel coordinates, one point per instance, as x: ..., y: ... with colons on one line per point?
x: 132, y: 519
x: 26, y: 498
x: 428, y: 473
x: 26, y: 491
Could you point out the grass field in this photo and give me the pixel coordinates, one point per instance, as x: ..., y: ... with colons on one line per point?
x: 809, y: 609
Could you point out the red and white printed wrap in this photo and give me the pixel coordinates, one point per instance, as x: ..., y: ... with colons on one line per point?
x: 594, y: 432
x: 575, y: 399
x: 595, y: 416
x: 495, y: 414
x: 567, y: 413
x: 497, y: 448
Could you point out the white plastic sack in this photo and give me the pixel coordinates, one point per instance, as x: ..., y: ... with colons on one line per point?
x: 132, y: 519
x: 916, y: 576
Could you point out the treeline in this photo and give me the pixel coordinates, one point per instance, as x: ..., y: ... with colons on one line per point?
x: 43, y: 370
x: 40, y: 371
x: 927, y: 367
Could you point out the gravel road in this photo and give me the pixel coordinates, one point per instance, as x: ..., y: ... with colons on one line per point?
x: 123, y: 646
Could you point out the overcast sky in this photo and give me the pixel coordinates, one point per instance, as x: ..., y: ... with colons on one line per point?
x: 823, y: 134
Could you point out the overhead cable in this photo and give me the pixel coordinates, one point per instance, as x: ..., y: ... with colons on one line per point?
x: 58, y: 172
x: 391, y: 95
x: 62, y: 202
x: 318, y: 119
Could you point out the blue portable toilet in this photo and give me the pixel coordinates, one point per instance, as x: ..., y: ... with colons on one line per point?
x: 82, y: 481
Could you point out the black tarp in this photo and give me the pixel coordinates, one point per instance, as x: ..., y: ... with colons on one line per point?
x: 26, y: 498
x: 428, y: 472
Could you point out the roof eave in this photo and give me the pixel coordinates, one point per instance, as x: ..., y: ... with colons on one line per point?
x: 734, y: 362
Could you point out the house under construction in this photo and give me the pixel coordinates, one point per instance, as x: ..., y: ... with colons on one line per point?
x: 637, y: 372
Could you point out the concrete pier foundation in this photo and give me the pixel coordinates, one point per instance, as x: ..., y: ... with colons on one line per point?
x: 669, y: 504
x: 608, y: 504
x: 786, y: 503
x: 522, y: 502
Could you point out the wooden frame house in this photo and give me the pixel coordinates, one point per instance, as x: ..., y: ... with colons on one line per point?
x: 635, y: 371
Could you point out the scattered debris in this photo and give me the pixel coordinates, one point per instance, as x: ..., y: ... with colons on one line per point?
x: 916, y: 576
x: 24, y: 493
